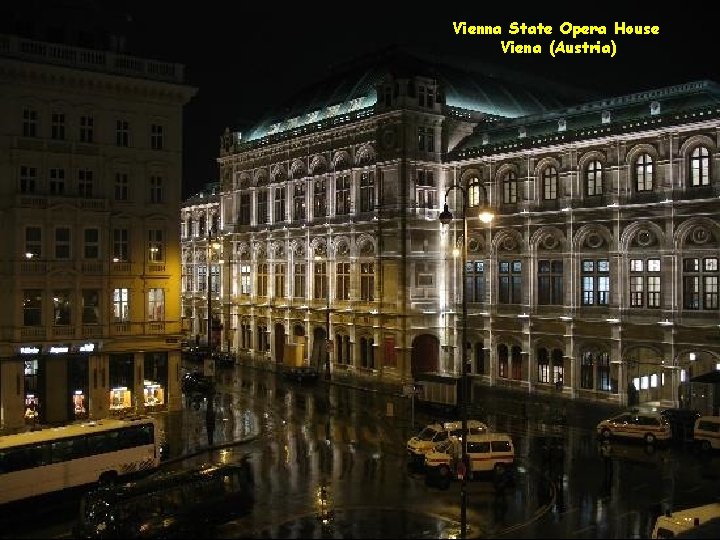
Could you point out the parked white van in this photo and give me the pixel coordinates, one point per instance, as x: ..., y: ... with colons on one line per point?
x: 707, y: 432
x: 675, y: 523
x: 486, y: 452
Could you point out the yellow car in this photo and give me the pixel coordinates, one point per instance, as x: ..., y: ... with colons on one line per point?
x: 433, y: 434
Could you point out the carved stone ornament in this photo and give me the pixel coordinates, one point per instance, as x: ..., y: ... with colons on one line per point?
x: 342, y: 248
x: 474, y: 244
x: 700, y: 235
x: 594, y: 240
x: 549, y: 241
x: 508, y: 244
x: 367, y: 248
x: 645, y: 238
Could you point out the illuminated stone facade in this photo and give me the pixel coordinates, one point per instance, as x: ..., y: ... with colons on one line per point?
x: 599, y: 269
x: 92, y: 146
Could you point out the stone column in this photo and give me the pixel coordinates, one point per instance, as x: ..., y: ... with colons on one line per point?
x: 12, y: 393
x: 99, y: 391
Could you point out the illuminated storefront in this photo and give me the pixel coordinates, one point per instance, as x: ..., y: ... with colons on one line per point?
x: 121, y: 382
x: 31, y: 361
x: 156, y: 379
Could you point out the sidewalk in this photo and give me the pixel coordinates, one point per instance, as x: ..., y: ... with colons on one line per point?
x: 535, y: 407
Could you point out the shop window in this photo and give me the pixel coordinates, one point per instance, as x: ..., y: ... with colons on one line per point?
x: 156, y: 379
x: 32, y: 396
x: 79, y: 408
x: 122, y: 380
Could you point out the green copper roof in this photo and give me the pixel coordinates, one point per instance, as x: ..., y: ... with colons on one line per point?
x: 608, y: 115
x: 467, y: 84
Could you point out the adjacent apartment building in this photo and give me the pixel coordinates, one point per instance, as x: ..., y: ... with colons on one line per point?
x: 597, y: 278
x: 90, y: 263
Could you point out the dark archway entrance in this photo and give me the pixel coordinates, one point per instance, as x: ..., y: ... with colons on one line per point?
x: 319, y: 348
x: 279, y: 342
x: 425, y: 354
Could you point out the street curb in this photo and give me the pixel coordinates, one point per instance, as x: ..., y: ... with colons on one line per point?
x: 206, y: 449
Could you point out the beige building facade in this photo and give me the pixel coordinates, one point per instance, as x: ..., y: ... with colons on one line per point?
x: 91, y: 162
x: 598, y: 274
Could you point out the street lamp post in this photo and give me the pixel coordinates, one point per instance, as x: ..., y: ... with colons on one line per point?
x: 327, y: 308
x: 327, y: 329
x: 445, y: 218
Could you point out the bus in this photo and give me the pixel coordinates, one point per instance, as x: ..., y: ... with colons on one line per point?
x: 168, y: 504
x: 47, y: 460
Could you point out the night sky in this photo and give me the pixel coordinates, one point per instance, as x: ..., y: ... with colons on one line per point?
x: 245, y: 60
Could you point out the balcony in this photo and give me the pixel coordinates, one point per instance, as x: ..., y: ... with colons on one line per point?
x: 92, y: 204
x: 33, y: 268
x: 63, y: 331
x: 93, y: 267
x: 155, y: 327
x: 121, y: 267
x: 33, y: 332
x: 92, y: 331
x: 121, y: 328
x: 156, y: 267
x: 31, y: 201
x: 89, y: 59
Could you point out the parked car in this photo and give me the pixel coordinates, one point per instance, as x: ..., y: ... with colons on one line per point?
x: 707, y: 432
x: 648, y: 426
x: 433, y: 434
x: 489, y: 452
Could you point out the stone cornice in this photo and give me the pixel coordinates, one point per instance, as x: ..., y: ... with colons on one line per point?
x: 92, y: 82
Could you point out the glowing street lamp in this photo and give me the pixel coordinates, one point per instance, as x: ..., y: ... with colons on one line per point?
x: 446, y: 216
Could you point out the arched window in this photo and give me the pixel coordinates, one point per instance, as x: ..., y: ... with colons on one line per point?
x: 557, y: 366
x: 516, y: 363
x: 593, y: 179
x: 543, y: 363
x: 510, y: 188
x: 644, y: 173
x: 587, y: 369
x: 367, y: 353
x: 603, y: 371
x: 473, y: 192
x: 550, y: 183
x: 700, y: 167
x: 503, y: 361
x: 343, y: 350
x: 479, y: 359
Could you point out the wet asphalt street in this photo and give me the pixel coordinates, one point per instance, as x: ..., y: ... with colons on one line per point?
x: 329, y: 462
